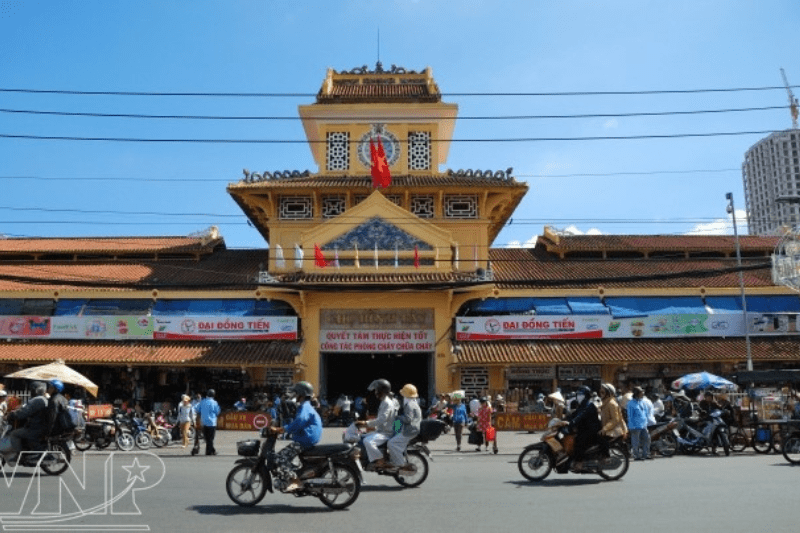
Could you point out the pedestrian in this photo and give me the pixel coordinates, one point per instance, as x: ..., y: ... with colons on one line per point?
x: 3, y: 406
x: 186, y: 414
x: 207, y: 412
x: 638, y: 414
x: 459, y: 421
x: 485, y: 424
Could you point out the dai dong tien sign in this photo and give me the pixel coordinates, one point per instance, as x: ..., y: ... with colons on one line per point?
x: 149, y: 327
x: 376, y: 330
x: 503, y: 327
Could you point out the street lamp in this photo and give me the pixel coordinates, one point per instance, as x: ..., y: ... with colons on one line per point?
x: 732, y: 212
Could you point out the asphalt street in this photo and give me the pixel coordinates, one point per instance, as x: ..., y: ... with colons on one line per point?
x: 466, y: 491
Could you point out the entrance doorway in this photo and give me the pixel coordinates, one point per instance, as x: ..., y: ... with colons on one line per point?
x: 351, y: 373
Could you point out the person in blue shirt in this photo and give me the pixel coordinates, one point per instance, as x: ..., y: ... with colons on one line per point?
x: 207, y: 411
x: 459, y: 420
x: 305, y: 430
x: 638, y: 413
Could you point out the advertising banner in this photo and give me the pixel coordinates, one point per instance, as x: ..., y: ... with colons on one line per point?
x: 484, y: 328
x: 247, y: 328
x: 522, y: 421
x: 22, y: 327
x: 99, y: 411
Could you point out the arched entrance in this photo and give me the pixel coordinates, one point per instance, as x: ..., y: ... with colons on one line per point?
x: 351, y: 373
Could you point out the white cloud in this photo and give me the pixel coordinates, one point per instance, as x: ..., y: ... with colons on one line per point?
x: 530, y: 243
x: 573, y: 230
x: 722, y: 226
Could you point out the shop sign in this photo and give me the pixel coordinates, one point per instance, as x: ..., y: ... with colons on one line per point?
x: 641, y: 371
x: 20, y: 327
x: 531, y: 373
x: 103, y: 410
x: 521, y: 421
x: 377, y: 330
x: 579, y: 372
x: 214, y: 327
x: 529, y: 327
x: 243, y: 421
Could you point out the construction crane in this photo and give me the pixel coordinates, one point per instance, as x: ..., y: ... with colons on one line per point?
x: 793, y: 106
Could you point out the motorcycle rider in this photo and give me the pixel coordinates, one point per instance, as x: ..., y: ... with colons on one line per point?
x: 37, y: 426
x: 383, y: 425
x: 411, y: 420
x: 585, y: 422
x: 3, y: 406
x: 305, y: 430
x: 57, y: 403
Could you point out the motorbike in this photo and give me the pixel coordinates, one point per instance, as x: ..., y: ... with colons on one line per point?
x: 159, y: 434
x: 53, y: 457
x: 329, y: 472
x: 791, y: 442
x: 712, y: 432
x: 609, y: 460
x: 416, y: 452
x: 664, y: 438
x: 136, y: 428
x: 99, y: 433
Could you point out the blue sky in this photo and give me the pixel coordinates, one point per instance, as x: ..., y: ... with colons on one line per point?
x: 107, y: 188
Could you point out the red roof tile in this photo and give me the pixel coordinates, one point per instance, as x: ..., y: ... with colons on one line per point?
x: 607, y: 351
x: 690, y: 243
x: 108, y: 245
x: 225, y: 353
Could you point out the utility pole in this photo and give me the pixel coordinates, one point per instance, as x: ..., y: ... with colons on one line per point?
x: 732, y: 212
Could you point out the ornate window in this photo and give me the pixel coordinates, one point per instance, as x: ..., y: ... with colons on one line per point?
x: 333, y: 206
x: 474, y: 381
x: 296, y: 207
x: 461, y: 206
x: 422, y: 206
x: 419, y: 150
x: 338, y: 150
x: 358, y: 198
x: 396, y: 199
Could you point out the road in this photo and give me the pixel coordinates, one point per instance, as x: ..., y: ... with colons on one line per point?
x: 466, y: 491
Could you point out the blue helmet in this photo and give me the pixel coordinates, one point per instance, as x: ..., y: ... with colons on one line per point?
x: 57, y: 385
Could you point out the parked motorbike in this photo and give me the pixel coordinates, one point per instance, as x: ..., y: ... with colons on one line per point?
x: 159, y: 434
x: 610, y: 461
x: 791, y: 442
x: 664, y: 438
x: 329, y: 472
x: 416, y: 452
x: 711, y: 432
x: 53, y: 458
x: 99, y: 433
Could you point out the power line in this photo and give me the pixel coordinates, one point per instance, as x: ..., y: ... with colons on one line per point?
x: 313, y: 95
x: 294, y: 118
x: 308, y: 141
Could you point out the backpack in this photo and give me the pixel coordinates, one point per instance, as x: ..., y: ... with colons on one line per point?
x: 61, y: 420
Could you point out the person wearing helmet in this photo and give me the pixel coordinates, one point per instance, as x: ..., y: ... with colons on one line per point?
x: 305, y: 430
x: 56, y: 406
x: 613, y: 425
x: 585, y: 422
x: 207, y: 412
x: 411, y: 418
x: 383, y: 425
x: 36, y: 427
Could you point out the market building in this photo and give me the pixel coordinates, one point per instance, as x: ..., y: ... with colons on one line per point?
x: 361, y: 281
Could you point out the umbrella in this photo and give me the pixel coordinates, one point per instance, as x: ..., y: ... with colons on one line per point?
x: 703, y: 380
x: 56, y: 370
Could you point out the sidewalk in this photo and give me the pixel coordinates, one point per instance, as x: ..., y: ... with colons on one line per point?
x: 509, y: 443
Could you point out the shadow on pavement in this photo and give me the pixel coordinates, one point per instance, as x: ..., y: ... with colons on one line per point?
x: 234, y: 510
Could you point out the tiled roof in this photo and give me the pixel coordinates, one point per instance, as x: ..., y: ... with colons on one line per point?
x: 530, y: 268
x: 108, y: 245
x: 377, y: 93
x: 690, y: 243
x: 143, y: 353
x: 381, y: 277
x: 607, y: 351
x: 224, y: 269
x: 399, y: 181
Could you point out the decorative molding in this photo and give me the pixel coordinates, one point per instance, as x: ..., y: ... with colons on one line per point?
x: 252, y: 177
x: 378, y: 70
x: 499, y: 175
x: 376, y: 231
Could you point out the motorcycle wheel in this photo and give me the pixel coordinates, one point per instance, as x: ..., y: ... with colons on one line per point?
x: 534, y: 464
x: 245, y: 487
x: 738, y: 441
x: 342, y: 487
x: 162, y: 439
x: 721, y: 439
x: 791, y: 449
x: 63, y: 456
x: 668, y: 444
x: 125, y: 441
x: 82, y: 443
x: 618, y: 463
x: 143, y: 440
x: 762, y: 446
x: 420, y: 474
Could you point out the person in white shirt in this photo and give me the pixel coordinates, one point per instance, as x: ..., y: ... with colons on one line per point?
x: 383, y: 425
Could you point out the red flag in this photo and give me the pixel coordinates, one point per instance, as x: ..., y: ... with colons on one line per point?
x: 374, y: 169
x: 319, y: 257
x: 381, y: 177
x: 416, y: 256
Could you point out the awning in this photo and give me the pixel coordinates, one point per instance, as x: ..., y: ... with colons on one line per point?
x: 773, y: 304
x: 231, y: 353
x: 724, y: 304
x: 606, y: 351
x: 587, y: 306
x: 633, y: 307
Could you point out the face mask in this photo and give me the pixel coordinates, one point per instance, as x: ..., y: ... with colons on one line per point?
x: 580, y: 398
